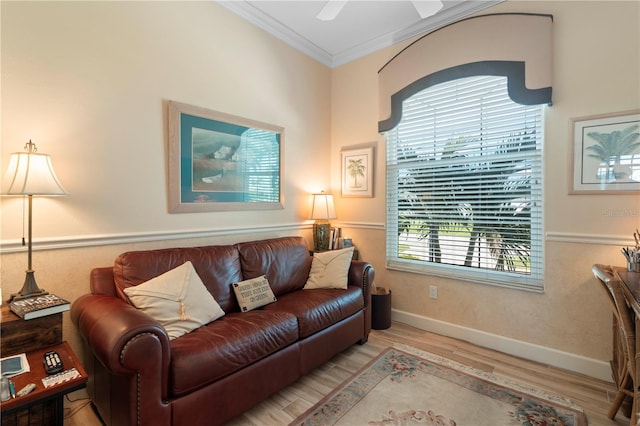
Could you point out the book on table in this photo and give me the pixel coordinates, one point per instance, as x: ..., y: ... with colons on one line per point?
x: 39, y: 306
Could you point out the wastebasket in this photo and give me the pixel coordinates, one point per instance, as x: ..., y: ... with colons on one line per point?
x: 380, y: 308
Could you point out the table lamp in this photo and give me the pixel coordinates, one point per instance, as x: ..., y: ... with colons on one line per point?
x: 30, y: 174
x: 322, y: 210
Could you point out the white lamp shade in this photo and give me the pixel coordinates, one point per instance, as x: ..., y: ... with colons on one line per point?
x: 32, y: 174
x: 323, y: 208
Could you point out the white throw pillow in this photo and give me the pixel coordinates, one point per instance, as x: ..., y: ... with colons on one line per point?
x: 253, y: 293
x: 177, y: 299
x: 330, y: 269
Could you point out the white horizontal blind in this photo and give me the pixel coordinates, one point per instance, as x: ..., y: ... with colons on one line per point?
x: 464, y: 184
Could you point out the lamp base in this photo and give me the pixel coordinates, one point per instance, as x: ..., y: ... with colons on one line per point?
x: 29, y: 288
x: 321, y: 235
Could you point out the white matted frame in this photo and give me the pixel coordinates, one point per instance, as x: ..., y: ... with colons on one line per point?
x: 357, y: 171
x: 221, y: 162
x: 606, y: 154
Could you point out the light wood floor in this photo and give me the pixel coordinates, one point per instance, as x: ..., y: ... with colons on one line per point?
x: 593, y: 395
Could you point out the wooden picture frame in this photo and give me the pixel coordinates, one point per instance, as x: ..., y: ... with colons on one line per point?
x: 221, y: 162
x: 357, y: 172
x: 606, y: 154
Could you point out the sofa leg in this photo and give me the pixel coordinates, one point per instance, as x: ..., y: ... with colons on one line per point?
x: 363, y: 340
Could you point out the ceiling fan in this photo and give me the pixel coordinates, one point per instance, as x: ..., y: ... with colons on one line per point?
x: 425, y: 8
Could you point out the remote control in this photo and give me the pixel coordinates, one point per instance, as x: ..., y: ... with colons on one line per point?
x: 52, y: 362
x: 25, y: 390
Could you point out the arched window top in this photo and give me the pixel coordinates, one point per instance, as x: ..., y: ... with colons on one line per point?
x: 517, y: 46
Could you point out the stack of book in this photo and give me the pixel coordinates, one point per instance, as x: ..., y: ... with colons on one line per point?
x: 336, y: 241
x: 39, y: 306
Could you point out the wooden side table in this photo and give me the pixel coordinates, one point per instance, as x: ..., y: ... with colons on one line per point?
x: 18, y: 335
x: 43, y: 405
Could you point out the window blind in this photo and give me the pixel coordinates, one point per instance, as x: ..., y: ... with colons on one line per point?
x: 464, y: 184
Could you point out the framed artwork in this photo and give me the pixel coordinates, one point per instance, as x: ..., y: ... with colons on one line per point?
x: 606, y: 154
x: 357, y: 172
x: 220, y: 162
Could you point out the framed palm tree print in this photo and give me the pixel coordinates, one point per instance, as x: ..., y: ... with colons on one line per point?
x: 357, y: 172
x: 606, y: 153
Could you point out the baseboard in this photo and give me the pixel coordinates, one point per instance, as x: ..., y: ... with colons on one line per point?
x: 553, y: 357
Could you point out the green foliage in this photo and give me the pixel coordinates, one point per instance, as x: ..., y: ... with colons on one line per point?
x: 498, y: 211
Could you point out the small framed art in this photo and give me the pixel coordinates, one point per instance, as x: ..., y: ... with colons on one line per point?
x: 606, y: 154
x: 357, y: 172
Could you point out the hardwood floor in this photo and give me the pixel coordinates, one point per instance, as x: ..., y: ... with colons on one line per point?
x: 592, y: 394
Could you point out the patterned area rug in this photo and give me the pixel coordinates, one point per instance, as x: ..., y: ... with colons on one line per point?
x: 406, y: 386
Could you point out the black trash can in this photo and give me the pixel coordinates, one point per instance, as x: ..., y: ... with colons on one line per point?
x: 380, y: 309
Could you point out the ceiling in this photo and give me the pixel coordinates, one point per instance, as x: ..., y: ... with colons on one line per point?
x: 360, y: 28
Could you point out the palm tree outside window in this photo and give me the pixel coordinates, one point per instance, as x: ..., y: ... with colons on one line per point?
x: 464, y: 184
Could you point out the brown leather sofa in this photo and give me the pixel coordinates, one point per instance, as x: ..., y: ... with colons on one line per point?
x: 138, y: 376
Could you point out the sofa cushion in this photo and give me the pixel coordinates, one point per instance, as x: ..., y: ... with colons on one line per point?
x: 217, y: 266
x: 253, y: 293
x: 330, y: 269
x: 319, y: 309
x: 177, y: 299
x: 285, y: 261
x: 227, y: 345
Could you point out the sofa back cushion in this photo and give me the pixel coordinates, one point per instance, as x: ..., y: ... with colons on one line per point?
x: 285, y: 261
x: 217, y: 266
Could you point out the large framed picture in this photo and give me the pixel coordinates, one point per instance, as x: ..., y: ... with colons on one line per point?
x: 357, y: 172
x: 606, y: 154
x: 220, y: 162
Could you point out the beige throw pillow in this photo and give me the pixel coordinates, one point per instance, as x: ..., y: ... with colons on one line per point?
x: 253, y: 293
x: 330, y: 269
x: 177, y: 299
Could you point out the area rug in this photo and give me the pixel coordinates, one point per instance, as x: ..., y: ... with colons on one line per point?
x: 407, y: 386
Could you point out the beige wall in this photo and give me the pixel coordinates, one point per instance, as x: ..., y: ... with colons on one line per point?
x: 596, y: 70
x: 88, y: 82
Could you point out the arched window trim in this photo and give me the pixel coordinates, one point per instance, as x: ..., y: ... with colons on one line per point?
x: 514, y: 71
x: 517, y: 42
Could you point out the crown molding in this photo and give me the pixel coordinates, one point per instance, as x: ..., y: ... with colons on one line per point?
x: 260, y: 19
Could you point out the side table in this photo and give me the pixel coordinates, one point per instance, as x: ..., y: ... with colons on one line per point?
x: 42, y: 405
x: 18, y: 335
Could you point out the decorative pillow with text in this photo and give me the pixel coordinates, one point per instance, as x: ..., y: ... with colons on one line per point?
x: 177, y: 299
x: 253, y: 293
x: 330, y: 269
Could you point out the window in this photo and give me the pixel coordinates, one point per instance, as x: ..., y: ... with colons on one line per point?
x: 464, y: 185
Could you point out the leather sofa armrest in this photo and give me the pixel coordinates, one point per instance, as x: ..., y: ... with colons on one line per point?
x: 362, y: 274
x: 111, y: 328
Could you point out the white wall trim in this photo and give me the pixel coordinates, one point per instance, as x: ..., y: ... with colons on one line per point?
x: 76, y: 241
x: 599, y: 239
x: 361, y: 225
x: 559, y: 237
x: 57, y: 243
x: 565, y: 360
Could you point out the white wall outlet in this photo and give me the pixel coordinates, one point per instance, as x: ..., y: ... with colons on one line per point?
x: 433, y: 292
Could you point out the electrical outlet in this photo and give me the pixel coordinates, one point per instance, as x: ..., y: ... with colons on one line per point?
x: 433, y: 292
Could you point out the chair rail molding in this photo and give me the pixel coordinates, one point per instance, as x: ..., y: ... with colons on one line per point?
x: 57, y: 243
x: 597, y: 239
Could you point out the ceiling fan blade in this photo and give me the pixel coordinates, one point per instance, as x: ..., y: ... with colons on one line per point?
x: 427, y: 8
x: 331, y: 10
